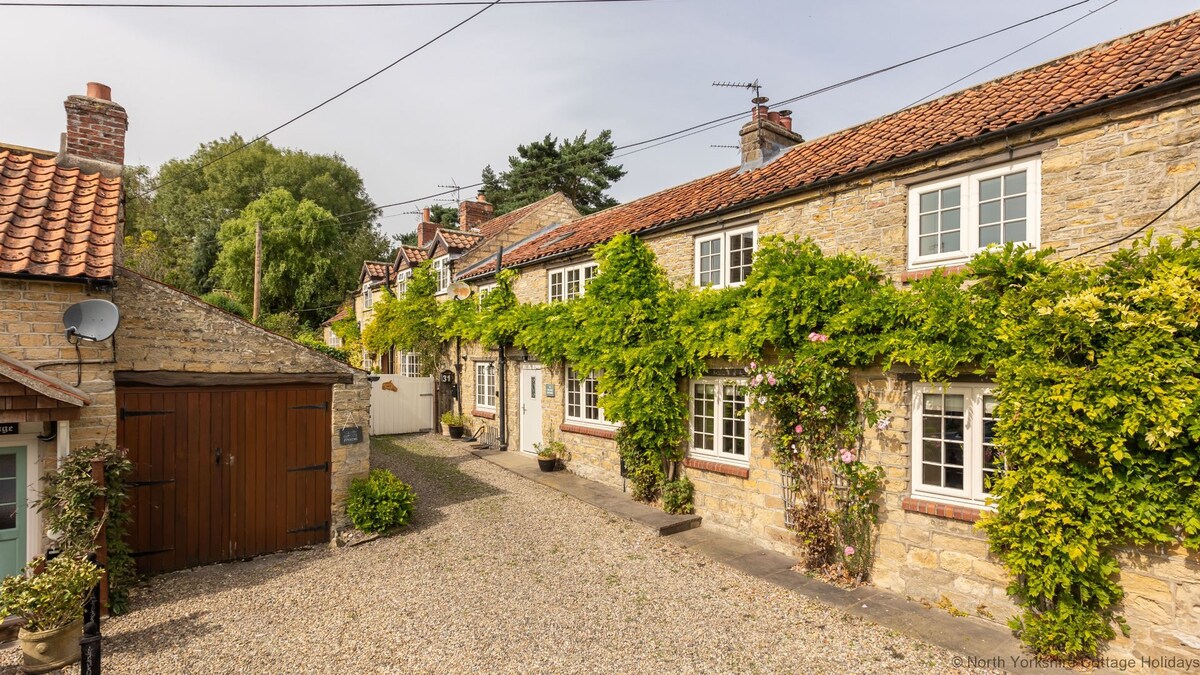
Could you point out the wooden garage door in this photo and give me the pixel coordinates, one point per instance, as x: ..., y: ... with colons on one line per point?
x: 222, y: 473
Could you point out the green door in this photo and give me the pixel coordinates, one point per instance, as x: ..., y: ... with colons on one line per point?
x: 12, y: 510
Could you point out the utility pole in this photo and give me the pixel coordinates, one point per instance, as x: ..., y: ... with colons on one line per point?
x: 257, y: 266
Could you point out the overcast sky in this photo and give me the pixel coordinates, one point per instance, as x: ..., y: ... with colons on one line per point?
x: 511, y: 75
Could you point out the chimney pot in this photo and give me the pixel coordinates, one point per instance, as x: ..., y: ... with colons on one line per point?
x: 773, y: 117
x: 480, y: 197
x: 426, y: 215
x: 100, y: 91
x: 760, y: 112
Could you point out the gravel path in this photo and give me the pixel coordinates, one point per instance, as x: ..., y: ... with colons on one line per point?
x: 496, y: 574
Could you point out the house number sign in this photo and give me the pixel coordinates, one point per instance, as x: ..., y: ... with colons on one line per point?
x: 351, y: 435
x: 9, y: 428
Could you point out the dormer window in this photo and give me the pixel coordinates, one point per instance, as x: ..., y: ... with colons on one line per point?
x: 951, y: 220
x: 441, y: 270
x: 367, y: 295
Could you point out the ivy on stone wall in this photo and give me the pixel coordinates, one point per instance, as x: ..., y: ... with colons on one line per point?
x: 1099, y: 400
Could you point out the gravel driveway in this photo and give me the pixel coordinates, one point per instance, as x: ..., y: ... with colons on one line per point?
x: 495, y: 574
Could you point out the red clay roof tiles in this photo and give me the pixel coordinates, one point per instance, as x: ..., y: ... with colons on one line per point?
x: 458, y: 239
x: 56, y: 221
x: 377, y: 270
x: 1144, y: 59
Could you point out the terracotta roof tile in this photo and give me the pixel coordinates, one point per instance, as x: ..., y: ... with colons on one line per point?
x: 377, y: 270
x: 459, y: 239
x: 54, y: 220
x: 343, y: 313
x: 1150, y: 57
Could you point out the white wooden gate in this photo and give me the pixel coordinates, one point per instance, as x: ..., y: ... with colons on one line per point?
x: 401, y: 405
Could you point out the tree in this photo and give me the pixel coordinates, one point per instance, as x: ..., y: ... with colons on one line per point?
x: 579, y: 168
x: 446, y: 216
x: 302, y: 246
x: 197, y: 194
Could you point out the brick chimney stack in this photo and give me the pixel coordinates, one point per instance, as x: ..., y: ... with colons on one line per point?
x: 95, y: 136
x: 427, y: 230
x: 472, y: 214
x: 766, y: 136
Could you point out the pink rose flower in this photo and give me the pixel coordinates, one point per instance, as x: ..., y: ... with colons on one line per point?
x: 847, y: 456
x: 817, y: 337
x: 822, y: 408
x: 756, y: 381
x: 849, y: 551
x: 771, y: 379
x: 753, y: 365
x: 762, y: 400
x: 799, y: 429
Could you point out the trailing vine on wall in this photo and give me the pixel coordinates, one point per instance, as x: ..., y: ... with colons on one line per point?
x: 1096, y: 374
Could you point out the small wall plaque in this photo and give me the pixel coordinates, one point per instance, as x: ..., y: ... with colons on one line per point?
x: 549, y: 390
x: 351, y: 435
x: 9, y: 428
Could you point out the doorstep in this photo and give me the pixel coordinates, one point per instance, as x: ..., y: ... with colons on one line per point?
x: 603, y: 497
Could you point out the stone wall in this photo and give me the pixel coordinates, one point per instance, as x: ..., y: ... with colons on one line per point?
x: 168, y: 330
x: 554, y: 209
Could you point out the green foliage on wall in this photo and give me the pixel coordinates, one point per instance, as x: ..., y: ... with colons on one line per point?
x: 410, y: 323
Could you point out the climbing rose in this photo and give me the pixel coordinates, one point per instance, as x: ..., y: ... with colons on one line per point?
x: 884, y: 423
x: 756, y: 381
x: 817, y: 337
x: 822, y: 408
x: 762, y: 400
x: 849, y: 551
x: 753, y: 365
x: 771, y: 379
x: 799, y: 429
x: 847, y: 456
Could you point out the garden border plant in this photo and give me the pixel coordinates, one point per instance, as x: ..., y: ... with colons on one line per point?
x: 1098, y: 405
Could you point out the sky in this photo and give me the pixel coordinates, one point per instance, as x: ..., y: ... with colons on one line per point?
x: 515, y: 73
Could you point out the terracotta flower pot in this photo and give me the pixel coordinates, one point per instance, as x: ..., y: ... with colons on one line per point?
x: 48, y: 650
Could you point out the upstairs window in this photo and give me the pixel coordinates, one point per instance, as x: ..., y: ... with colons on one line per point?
x: 484, y: 290
x: 366, y: 293
x: 954, y: 452
x: 441, y: 271
x: 725, y: 258
x: 485, y: 385
x: 951, y: 220
x: 583, y: 398
x: 567, y: 283
x: 402, y: 283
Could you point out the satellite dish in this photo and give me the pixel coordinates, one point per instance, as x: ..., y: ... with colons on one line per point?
x: 460, y: 290
x: 92, y: 320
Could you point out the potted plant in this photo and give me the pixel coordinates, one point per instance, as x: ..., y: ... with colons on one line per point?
x: 51, y: 603
x: 549, y: 454
x: 454, y: 423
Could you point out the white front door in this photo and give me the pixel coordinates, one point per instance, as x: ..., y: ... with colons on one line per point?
x: 531, y: 406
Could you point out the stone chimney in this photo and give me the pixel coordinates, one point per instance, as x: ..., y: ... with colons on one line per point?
x: 427, y: 230
x: 472, y: 214
x: 766, y: 136
x: 95, y: 136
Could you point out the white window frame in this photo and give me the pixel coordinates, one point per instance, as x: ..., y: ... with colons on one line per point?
x: 723, y: 237
x: 485, y: 385
x: 366, y: 291
x: 402, y: 278
x: 972, y: 494
x: 584, y: 274
x: 582, y: 419
x: 410, y: 364
x: 441, y: 268
x: 968, y: 184
x: 717, y: 453
x: 483, y: 290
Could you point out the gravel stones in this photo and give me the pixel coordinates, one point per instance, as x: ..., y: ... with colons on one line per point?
x: 495, y: 574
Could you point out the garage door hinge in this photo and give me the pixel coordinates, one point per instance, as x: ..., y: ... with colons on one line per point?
x: 311, y: 406
x: 147, y: 483
x: 125, y: 412
x: 314, y: 528
x: 311, y: 467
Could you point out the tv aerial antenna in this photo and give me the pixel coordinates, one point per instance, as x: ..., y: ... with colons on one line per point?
x: 457, y: 192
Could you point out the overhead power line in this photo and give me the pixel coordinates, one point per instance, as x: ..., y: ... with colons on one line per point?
x: 873, y: 73
x: 302, y: 5
x: 1022, y: 48
x: 1143, y: 228
x: 327, y: 101
x: 727, y: 119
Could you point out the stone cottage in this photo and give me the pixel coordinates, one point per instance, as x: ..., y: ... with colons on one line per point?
x: 1070, y: 154
x: 244, y: 442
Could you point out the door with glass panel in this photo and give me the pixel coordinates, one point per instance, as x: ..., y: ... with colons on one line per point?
x: 12, y: 510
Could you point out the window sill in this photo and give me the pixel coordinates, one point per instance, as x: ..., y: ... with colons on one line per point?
x: 485, y: 414
x: 912, y: 275
x: 742, y: 472
x: 931, y: 508
x: 588, y: 431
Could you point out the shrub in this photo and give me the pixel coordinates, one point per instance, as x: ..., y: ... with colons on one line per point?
x: 380, y: 502
x: 52, y: 599
x: 226, y: 303
x: 551, y: 450
x: 313, y: 342
x: 677, y: 496
x: 451, y: 419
